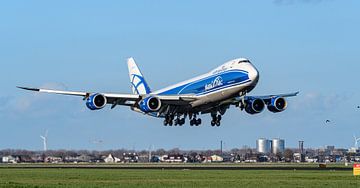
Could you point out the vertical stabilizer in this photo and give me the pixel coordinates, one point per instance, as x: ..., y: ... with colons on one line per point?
x: 137, y: 80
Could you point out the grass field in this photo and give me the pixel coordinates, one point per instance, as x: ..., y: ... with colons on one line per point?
x: 42, y: 177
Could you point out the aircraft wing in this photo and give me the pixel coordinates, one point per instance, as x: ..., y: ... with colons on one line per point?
x: 264, y: 97
x: 121, y: 99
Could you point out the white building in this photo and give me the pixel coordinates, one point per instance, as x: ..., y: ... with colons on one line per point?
x: 111, y: 159
x: 9, y: 159
x: 216, y: 158
x: 263, y: 145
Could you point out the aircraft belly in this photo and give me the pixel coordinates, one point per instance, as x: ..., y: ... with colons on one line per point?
x: 218, y: 96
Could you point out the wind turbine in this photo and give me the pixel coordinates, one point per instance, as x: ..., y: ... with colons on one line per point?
x: 44, y: 138
x: 151, y: 147
x: 356, y: 142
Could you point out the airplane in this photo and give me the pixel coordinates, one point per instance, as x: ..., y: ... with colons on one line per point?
x: 211, y: 93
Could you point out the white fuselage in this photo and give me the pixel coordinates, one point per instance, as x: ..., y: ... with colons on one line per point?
x: 227, y: 80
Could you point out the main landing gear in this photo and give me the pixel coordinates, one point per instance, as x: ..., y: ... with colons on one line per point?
x: 180, y: 120
x: 215, y: 120
x: 169, y: 120
x: 194, y: 121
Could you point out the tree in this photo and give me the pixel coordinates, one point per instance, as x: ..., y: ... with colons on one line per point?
x: 288, y: 154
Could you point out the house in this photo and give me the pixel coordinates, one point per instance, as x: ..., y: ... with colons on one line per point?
x: 174, y: 158
x: 206, y: 159
x: 37, y: 158
x: 130, y: 158
x: 298, y: 157
x: 111, y: 159
x: 53, y: 159
x: 85, y: 158
x: 155, y: 159
x: 311, y: 159
x: 25, y: 159
x: 10, y: 159
x: 216, y: 158
x: 228, y: 158
x: 80, y: 158
x: 263, y: 158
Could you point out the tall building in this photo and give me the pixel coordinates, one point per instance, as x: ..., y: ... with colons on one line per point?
x: 301, y: 147
x: 263, y: 145
x: 277, y: 145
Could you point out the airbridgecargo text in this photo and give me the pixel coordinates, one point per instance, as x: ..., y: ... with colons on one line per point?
x: 218, y: 81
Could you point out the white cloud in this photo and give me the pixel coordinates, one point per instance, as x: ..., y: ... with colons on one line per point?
x: 319, y: 103
x: 29, y: 100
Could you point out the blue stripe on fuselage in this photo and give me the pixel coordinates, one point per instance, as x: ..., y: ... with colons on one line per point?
x: 211, y: 83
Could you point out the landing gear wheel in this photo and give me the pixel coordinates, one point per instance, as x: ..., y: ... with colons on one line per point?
x: 217, y: 123
x: 191, y: 122
x: 165, y: 122
x: 198, y: 121
x: 215, y: 119
x: 181, y: 121
x: 176, y: 122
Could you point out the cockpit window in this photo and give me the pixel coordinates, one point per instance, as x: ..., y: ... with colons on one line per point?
x: 243, y: 61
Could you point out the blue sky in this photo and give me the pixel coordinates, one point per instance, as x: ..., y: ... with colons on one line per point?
x: 305, y: 45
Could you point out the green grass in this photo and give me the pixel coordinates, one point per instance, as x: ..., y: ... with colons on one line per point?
x: 183, y: 165
x: 10, y: 177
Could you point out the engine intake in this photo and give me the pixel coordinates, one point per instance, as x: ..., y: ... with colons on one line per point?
x: 96, y: 101
x: 254, y: 106
x: 150, y: 104
x: 277, y: 104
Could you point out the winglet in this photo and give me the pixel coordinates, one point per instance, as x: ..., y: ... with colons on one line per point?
x: 28, y: 88
x: 290, y: 94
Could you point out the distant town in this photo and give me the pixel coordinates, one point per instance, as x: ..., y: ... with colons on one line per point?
x: 266, y: 151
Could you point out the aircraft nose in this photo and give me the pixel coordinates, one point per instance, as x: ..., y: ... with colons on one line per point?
x: 253, y: 74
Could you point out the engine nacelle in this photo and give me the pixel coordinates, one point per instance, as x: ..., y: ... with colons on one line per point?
x: 254, y: 106
x: 277, y: 104
x: 96, y: 101
x: 150, y: 104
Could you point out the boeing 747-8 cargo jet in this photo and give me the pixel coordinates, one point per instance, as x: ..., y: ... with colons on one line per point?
x: 213, y: 93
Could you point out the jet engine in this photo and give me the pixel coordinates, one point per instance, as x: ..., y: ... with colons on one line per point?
x: 150, y: 104
x: 254, y: 106
x: 277, y: 104
x: 96, y: 101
